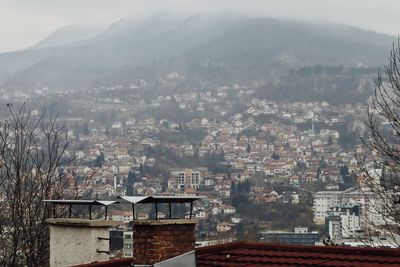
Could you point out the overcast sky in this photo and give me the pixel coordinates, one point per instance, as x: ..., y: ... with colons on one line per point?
x: 25, y: 22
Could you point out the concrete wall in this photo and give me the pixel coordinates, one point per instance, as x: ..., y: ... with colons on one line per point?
x: 77, y: 241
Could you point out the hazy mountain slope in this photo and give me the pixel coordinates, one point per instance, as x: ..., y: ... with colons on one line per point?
x: 13, y: 62
x: 269, y: 42
x: 69, y: 34
x: 125, y: 43
x: 242, y: 46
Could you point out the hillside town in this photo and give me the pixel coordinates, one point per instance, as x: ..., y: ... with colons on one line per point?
x: 240, y: 152
x: 199, y: 133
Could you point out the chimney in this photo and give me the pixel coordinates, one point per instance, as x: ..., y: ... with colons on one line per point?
x: 158, y: 240
x: 76, y: 241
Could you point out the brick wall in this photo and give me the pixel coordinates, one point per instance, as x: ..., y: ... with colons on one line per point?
x: 155, y: 241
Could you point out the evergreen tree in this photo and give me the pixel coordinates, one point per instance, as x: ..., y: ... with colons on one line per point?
x: 222, y: 155
x: 99, y: 161
x: 344, y: 171
x: 233, y: 189
x: 131, y: 178
x: 248, y: 148
x: 129, y: 190
x: 131, y: 181
x: 196, y: 155
x: 141, y: 169
x: 85, y: 129
x: 77, y: 129
x: 275, y: 156
x: 330, y: 142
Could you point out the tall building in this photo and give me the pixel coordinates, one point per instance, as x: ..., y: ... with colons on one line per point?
x: 323, y: 202
x: 343, y: 222
x: 128, y: 243
x: 351, y: 210
x: 187, y: 178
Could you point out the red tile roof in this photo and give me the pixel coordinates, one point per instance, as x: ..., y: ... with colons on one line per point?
x: 252, y: 254
x: 124, y: 262
x: 258, y: 254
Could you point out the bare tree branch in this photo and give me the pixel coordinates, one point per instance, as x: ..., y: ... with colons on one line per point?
x: 380, y: 167
x: 33, y: 167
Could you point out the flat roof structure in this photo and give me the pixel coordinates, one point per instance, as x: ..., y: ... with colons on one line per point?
x: 85, y: 202
x: 80, y: 202
x: 127, y: 199
x: 160, y: 199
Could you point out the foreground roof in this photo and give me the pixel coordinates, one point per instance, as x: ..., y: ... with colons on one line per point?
x: 254, y: 254
x: 124, y: 262
x: 261, y: 254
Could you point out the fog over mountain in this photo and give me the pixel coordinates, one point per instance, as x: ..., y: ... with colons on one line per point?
x: 69, y: 34
x: 78, y: 56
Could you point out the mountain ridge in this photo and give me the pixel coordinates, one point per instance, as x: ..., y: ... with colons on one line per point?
x: 250, y: 45
x: 68, y: 35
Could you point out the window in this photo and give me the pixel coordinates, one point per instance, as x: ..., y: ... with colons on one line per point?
x: 181, y: 178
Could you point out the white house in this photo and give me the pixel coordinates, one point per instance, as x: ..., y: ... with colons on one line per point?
x: 227, y: 209
x: 224, y: 227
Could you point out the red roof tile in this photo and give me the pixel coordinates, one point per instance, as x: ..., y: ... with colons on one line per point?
x: 262, y: 254
x: 124, y: 262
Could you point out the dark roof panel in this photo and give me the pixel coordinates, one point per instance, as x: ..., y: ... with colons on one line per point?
x: 124, y: 262
x: 260, y: 254
x: 264, y: 254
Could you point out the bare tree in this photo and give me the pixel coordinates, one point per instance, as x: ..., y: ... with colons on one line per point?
x: 33, y: 167
x: 380, y: 164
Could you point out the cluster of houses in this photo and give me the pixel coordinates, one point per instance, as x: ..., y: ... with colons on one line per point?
x: 292, y: 144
